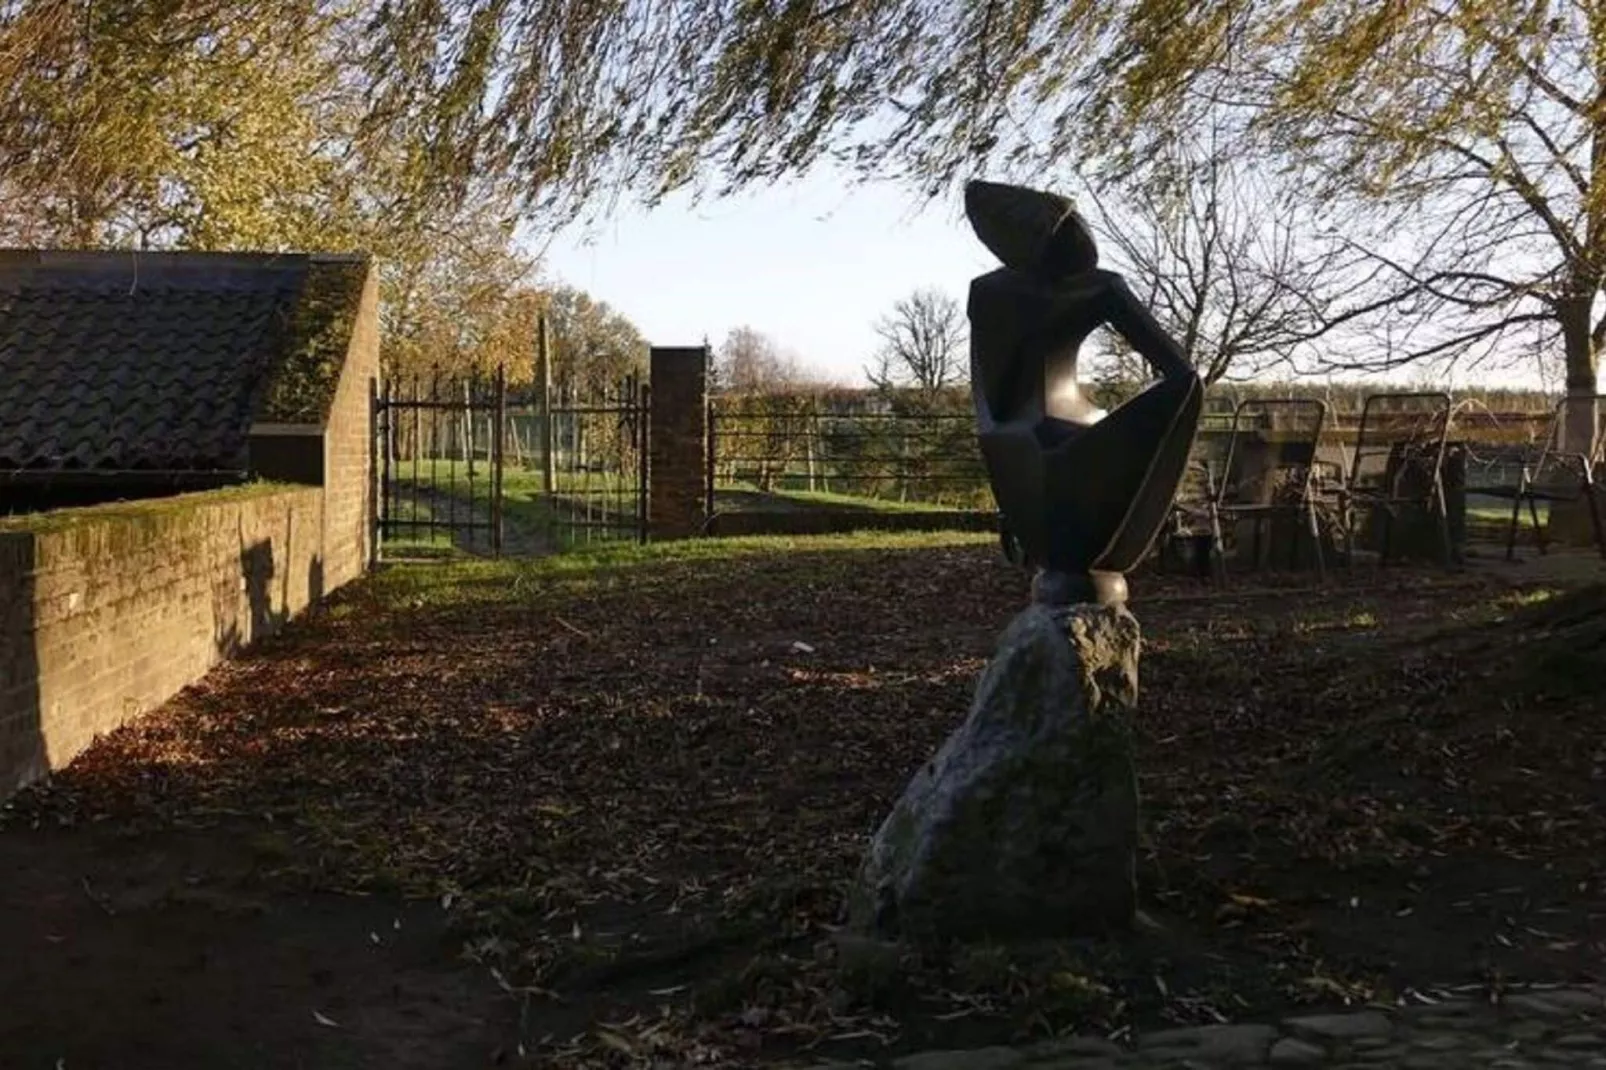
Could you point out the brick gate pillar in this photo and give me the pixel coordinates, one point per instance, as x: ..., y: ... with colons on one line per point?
x: 679, y: 448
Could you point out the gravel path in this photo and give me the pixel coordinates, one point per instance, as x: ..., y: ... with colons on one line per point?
x: 518, y: 540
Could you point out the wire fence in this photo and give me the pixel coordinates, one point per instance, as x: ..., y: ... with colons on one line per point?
x: 467, y: 462
x: 792, y: 447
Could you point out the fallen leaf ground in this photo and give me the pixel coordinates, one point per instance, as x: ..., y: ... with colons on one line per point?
x: 600, y: 810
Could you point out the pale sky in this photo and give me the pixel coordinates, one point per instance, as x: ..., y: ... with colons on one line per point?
x: 812, y: 264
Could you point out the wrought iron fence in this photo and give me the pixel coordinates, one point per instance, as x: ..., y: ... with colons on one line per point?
x: 466, y: 465
x: 786, y: 451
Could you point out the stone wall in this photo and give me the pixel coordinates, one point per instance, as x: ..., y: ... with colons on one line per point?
x: 108, y: 611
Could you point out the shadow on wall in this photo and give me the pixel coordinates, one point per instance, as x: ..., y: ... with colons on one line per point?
x: 23, y: 756
x: 152, y: 663
x: 231, y: 633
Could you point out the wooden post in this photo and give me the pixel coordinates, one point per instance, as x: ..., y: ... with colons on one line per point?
x: 510, y: 428
x: 809, y: 424
x: 543, y: 390
x: 419, y: 446
x: 379, y: 478
x: 580, y: 438
x: 643, y: 462
x: 470, y: 388
x: 498, y: 457
x: 902, y: 462
x: 712, y: 474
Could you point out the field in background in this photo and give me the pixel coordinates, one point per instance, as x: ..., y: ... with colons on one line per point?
x: 919, y: 450
x: 815, y: 462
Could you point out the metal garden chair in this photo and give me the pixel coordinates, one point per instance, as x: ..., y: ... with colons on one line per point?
x: 1558, y: 477
x: 1268, y: 472
x: 1398, y: 464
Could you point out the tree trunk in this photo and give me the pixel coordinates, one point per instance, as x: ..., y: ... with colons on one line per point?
x: 1580, y: 417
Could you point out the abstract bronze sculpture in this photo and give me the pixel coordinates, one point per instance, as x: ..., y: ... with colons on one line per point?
x: 1084, y: 492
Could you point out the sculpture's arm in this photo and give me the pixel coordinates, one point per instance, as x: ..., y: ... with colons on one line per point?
x: 1143, y: 332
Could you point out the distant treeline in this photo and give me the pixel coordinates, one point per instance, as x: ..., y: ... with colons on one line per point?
x: 1346, y: 398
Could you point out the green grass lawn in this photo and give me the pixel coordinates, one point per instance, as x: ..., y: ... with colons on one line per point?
x: 405, y: 543
x: 1489, y: 518
x: 447, y: 472
x: 528, y: 512
x: 596, y: 508
x: 605, y: 567
x: 739, y: 495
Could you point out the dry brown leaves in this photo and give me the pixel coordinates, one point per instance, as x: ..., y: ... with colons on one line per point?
x: 644, y: 792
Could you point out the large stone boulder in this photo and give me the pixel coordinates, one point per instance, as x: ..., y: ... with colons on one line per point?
x: 1025, y: 824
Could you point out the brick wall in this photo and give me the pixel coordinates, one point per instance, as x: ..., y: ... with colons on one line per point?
x: 348, y: 443
x: 109, y: 611
x: 679, y: 442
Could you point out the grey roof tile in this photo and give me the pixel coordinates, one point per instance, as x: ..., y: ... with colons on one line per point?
x: 112, y: 361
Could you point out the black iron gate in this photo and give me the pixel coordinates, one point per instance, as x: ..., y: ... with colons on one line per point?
x: 439, y: 458
x: 470, y: 465
x: 597, y: 464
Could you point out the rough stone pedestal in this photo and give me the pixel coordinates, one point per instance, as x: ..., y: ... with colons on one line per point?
x: 1025, y: 823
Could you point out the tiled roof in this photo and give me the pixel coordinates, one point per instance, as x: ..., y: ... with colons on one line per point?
x: 122, y: 361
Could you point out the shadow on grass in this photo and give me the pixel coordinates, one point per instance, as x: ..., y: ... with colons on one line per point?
x: 720, y: 564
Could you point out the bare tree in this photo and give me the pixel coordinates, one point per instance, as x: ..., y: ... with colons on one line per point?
x: 1230, y: 261
x: 922, y: 344
x: 769, y: 412
x: 1473, y: 132
x: 750, y: 361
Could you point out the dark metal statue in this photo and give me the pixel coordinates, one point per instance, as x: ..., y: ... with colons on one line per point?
x: 1084, y: 492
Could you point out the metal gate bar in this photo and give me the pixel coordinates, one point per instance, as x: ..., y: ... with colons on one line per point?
x: 597, y: 464
x: 421, y: 434
x: 441, y: 455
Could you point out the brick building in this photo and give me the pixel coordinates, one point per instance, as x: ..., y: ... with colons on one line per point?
x: 184, y: 465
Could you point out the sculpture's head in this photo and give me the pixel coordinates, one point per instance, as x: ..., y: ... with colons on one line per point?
x: 1031, y: 231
